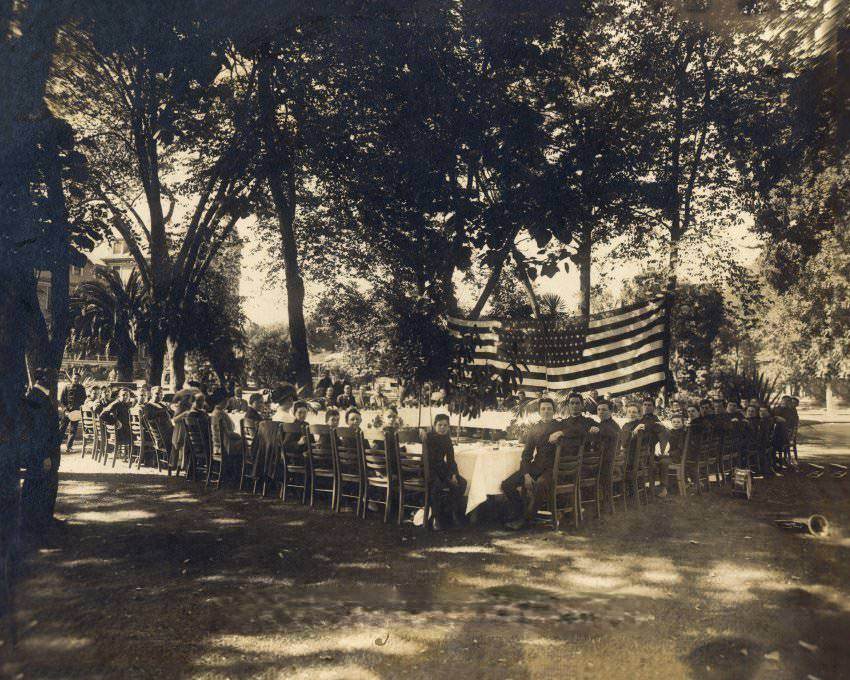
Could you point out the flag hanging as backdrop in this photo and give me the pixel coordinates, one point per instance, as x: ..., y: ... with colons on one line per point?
x: 616, y: 352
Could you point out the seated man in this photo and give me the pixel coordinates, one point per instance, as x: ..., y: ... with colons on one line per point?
x: 657, y: 433
x: 631, y: 424
x: 346, y: 399
x: 117, y: 414
x: 609, y: 430
x: 327, y: 399
x: 676, y: 438
x: 609, y: 435
x: 447, y: 486
x: 537, y: 459
x: 324, y: 383
x: 535, y: 474
x: 236, y: 402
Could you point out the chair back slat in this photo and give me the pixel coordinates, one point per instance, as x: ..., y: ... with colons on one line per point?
x: 295, y: 456
x: 88, y: 422
x: 348, y: 451
x: 320, y: 448
x: 376, y: 463
x: 216, y: 437
x: 248, y: 429
x: 198, y: 434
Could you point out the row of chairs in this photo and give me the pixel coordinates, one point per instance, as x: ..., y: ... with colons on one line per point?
x: 148, y: 443
x: 586, y: 473
x: 336, y: 463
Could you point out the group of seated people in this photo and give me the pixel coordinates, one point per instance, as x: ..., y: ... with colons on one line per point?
x: 527, y: 488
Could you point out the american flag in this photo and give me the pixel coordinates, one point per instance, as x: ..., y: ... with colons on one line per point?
x: 616, y: 352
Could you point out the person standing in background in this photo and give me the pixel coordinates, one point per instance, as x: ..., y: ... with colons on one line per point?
x: 41, y: 456
x: 72, y: 399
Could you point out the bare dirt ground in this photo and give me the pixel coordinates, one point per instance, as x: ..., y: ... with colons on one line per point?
x: 155, y: 578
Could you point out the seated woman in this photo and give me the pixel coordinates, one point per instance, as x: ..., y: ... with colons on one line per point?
x: 231, y: 442
x: 353, y: 418
x: 283, y: 397
x: 254, y: 412
x: 447, y: 486
x: 292, y: 441
x: 332, y: 421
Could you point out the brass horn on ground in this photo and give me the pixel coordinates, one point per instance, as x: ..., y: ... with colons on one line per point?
x: 816, y: 525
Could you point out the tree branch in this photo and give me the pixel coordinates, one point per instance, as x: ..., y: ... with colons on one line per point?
x: 126, y: 232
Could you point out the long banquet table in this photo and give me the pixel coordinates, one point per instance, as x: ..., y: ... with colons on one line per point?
x: 484, y: 465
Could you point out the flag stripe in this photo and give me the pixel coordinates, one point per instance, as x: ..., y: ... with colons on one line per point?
x: 615, y: 352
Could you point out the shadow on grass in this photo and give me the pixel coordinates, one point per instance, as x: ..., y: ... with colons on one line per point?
x: 155, y: 577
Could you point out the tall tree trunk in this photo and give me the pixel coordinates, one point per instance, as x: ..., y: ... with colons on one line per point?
x: 156, y: 360
x: 124, y: 366
x: 280, y: 178
x: 61, y: 250
x: 583, y: 260
x: 490, y: 286
x: 177, y: 357
x: 522, y: 275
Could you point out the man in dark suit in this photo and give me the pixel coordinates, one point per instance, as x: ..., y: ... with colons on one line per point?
x: 538, y: 457
x: 72, y: 399
x: 41, y: 456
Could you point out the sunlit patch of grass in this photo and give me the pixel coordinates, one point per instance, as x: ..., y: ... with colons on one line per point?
x: 76, y: 488
x: 180, y: 496
x: 346, y: 671
x: 476, y: 581
x: 591, y: 582
x: 88, y: 562
x: 641, y: 590
x: 53, y: 643
x: 533, y: 550
x: 339, y: 641
x: 110, y: 516
x: 227, y: 521
x: 660, y: 577
x: 363, y: 565
x: 732, y: 583
x: 462, y: 550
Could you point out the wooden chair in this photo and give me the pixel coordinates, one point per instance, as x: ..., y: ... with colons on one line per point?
x: 88, y: 425
x: 413, y: 480
x: 348, y: 458
x: 100, y: 441
x: 139, y: 441
x: 113, y: 446
x: 710, y: 452
x: 565, y: 490
x: 199, y: 445
x: 215, y: 469
x: 295, y: 463
x: 590, y: 477
x: 680, y: 470
x: 160, y: 442
x: 378, y: 476
x: 248, y: 430
x: 323, y: 466
x: 614, y: 475
x: 639, y: 471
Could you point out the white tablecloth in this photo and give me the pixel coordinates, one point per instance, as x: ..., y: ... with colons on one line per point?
x: 484, y: 468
